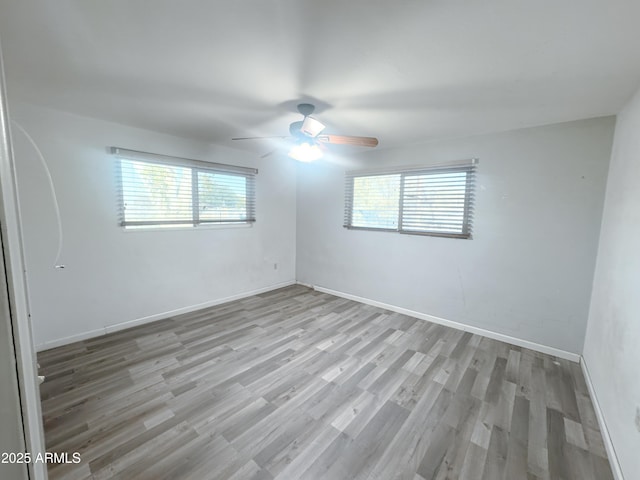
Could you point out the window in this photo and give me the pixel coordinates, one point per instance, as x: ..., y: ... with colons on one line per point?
x: 426, y: 201
x: 162, y: 191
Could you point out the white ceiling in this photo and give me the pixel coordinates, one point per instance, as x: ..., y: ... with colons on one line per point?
x: 404, y: 70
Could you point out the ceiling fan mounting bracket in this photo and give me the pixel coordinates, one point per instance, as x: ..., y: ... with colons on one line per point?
x: 306, y: 109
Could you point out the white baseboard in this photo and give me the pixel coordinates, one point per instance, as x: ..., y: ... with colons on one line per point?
x: 608, y: 444
x: 152, y: 318
x: 556, y: 352
x: 58, y: 342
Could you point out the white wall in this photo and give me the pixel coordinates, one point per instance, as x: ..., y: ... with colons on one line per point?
x: 114, y: 276
x: 528, y: 271
x: 612, y: 345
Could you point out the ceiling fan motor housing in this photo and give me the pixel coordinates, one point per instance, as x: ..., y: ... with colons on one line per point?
x: 295, y: 129
x: 308, y: 127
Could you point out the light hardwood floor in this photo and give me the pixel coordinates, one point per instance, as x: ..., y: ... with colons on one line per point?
x: 297, y: 384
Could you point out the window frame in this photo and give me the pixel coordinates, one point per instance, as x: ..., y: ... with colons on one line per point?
x: 194, y: 167
x: 467, y: 166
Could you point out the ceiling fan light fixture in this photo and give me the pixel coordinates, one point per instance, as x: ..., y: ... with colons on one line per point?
x: 305, y: 152
x: 311, y: 127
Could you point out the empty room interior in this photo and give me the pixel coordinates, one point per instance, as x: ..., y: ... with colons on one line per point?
x: 279, y: 239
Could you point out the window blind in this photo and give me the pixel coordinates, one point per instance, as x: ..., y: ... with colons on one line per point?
x: 436, y: 200
x: 158, y: 190
x: 376, y: 201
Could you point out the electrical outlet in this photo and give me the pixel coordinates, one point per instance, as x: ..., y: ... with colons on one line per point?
x: 275, y: 266
x: 638, y: 418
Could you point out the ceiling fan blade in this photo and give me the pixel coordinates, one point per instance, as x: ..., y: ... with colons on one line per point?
x: 268, y: 153
x: 259, y: 138
x: 348, y: 140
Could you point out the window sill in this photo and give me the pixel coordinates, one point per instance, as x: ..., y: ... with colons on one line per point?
x: 462, y: 236
x: 209, y: 226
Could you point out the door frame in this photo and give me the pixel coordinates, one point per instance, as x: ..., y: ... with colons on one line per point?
x: 15, y: 275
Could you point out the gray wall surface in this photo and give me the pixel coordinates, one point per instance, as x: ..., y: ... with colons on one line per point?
x: 612, y: 345
x: 528, y: 271
x: 112, y: 275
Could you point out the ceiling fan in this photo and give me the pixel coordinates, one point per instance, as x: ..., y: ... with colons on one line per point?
x: 308, y: 140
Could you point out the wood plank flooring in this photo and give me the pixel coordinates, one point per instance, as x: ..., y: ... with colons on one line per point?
x: 297, y: 384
